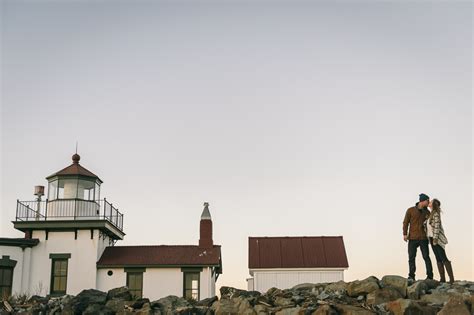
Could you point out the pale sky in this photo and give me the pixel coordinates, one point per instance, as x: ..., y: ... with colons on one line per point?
x: 289, y: 118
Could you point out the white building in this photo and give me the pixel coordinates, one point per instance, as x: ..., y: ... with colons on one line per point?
x: 284, y: 262
x: 69, y: 246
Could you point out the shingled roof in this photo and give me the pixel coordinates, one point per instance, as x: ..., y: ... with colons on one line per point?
x: 297, y: 252
x: 75, y: 169
x: 160, y: 255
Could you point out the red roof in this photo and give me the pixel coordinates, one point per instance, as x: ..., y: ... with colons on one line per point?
x: 297, y: 252
x: 161, y: 255
x: 75, y: 169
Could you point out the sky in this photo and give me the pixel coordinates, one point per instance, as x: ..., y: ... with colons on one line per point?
x: 289, y: 118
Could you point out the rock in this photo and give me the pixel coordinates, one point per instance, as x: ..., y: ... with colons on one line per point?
x: 289, y: 311
x: 325, y: 310
x: 396, y: 282
x: 116, y: 305
x: 282, y: 301
x: 122, y: 293
x: 97, y: 309
x: 234, y: 306
x: 304, y: 286
x: 438, y: 298
x: 363, y: 287
x: 352, y: 310
x: 409, y: 307
x: 145, y: 309
x: 455, y: 305
x: 298, y: 299
x: 272, y: 292
x: 261, y: 309
x: 137, y: 304
x: 416, y: 290
x: 383, y: 295
x: 87, y: 297
x: 323, y: 296
x: 168, y: 304
x: 207, y: 302
x: 229, y: 292
x: 339, y: 287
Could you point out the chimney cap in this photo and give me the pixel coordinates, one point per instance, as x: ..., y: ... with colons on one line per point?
x: 206, y: 215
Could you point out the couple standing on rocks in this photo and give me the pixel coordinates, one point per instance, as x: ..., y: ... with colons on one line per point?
x: 418, y: 234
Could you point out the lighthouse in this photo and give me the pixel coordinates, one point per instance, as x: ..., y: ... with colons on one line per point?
x: 73, y: 226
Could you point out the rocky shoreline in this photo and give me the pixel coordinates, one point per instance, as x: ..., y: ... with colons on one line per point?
x: 389, y: 295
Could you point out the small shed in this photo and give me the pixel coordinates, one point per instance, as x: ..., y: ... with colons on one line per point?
x: 284, y: 262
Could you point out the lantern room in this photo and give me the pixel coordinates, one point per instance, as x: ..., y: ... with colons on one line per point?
x: 73, y: 202
x: 74, y: 182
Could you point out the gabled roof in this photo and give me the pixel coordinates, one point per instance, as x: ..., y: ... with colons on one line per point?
x: 75, y: 169
x: 160, y: 255
x: 297, y: 252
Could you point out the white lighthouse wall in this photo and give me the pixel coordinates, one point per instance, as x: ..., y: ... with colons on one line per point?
x: 84, y: 253
x: 21, y: 272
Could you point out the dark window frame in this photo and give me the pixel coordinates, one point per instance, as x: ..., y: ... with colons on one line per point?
x: 185, y: 290
x: 58, y: 258
x: 6, y: 288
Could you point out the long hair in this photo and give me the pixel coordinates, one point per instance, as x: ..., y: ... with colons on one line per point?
x: 436, y: 208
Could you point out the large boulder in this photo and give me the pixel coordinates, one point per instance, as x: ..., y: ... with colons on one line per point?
x: 419, y: 288
x: 383, y: 295
x: 362, y: 287
x: 325, y: 310
x: 233, y: 306
x: 455, y: 305
x: 98, y: 309
x: 353, y: 310
x: 338, y: 288
x: 167, y: 305
x: 207, y: 302
x: 122, y: 293
x: 283, y: 301
x: 290, y: 311
x: 409, y: 307
x: 439, y: 298
x: 87, y: 297
x: 397, y: 282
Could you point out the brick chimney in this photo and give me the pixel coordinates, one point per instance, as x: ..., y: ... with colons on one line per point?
x: 205, y: 228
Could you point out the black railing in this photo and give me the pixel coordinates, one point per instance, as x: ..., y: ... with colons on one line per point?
x: 68, y: 209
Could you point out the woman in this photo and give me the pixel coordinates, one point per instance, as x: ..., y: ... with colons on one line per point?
x: 438, y: 240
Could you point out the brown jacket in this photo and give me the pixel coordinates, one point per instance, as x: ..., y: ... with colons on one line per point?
x: 415, y: 219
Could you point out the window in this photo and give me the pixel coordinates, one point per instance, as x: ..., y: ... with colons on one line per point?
x: 59, y: 263
x: 53, y: 190
x: 191, y: 285
x: 6, y: 277
x: 135, y: 283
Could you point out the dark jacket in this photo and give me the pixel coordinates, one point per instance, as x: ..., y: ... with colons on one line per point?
x: 415, y: 221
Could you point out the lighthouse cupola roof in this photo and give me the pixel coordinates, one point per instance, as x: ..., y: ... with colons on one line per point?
x: 75, y: 169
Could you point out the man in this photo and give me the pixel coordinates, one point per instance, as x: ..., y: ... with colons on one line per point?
x: 414, y: 231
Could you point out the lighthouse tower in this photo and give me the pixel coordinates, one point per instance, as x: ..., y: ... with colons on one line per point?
x: 72, y: 226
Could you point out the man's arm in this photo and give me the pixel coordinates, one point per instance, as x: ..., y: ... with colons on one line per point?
x: 406, y: 222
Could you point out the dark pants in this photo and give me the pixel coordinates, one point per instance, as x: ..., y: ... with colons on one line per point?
x: 439, y: 252
x: 425, y: 251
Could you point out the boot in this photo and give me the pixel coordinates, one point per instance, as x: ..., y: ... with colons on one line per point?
x: 449, y: 269
x: 441, y: 272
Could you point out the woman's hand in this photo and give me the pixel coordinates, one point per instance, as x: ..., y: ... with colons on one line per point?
x: 435, y: 242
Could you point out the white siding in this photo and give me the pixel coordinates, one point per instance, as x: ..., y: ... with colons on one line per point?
x: 21, y: 272
x: 157, y: 282
x: 81, y: 266
x: 284, y: 279
x: 250, y: 284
